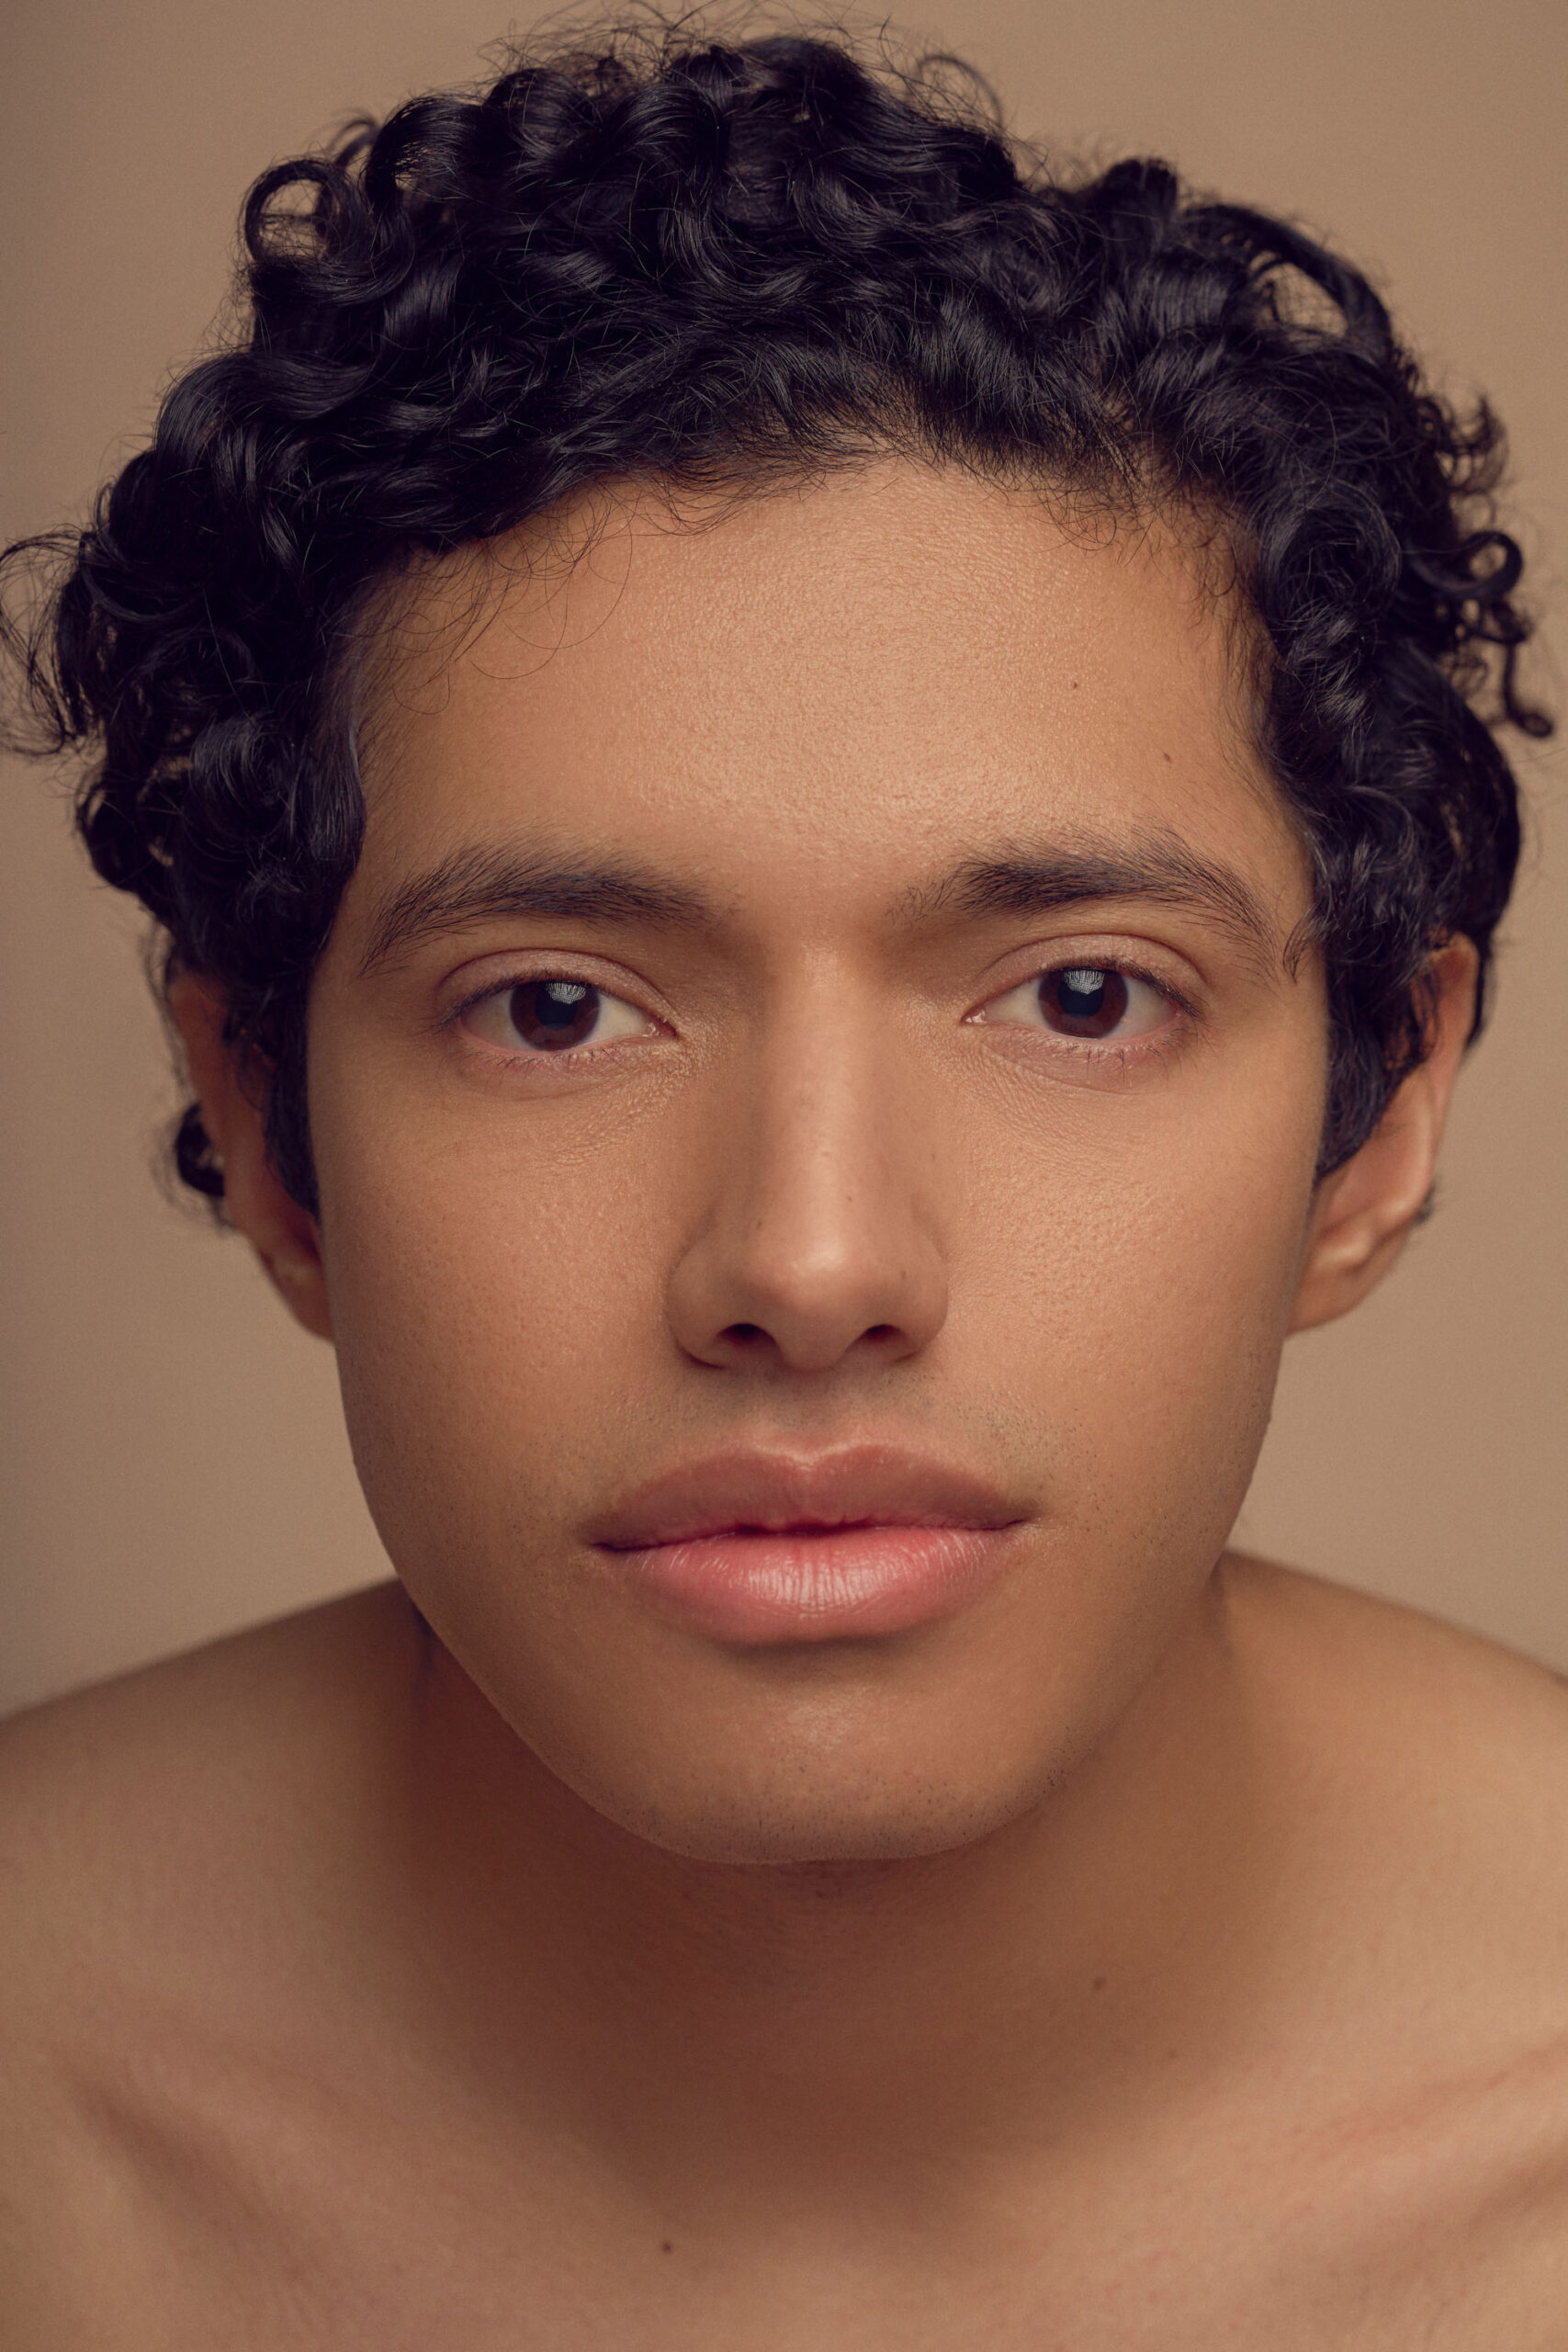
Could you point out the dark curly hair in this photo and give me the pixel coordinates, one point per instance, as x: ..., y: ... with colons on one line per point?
x: 690, y: 259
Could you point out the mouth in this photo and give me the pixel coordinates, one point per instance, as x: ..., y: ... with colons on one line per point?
x: 756, y: 1548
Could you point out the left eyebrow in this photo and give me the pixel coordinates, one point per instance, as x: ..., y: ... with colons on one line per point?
x: 1159, y: 868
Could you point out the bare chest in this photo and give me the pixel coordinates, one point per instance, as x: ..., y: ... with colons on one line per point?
x: 293, y: 2220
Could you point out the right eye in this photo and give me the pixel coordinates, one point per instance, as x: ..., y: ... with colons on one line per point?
x: 553, y: 1015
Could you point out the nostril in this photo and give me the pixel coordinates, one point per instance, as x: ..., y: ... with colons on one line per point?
x: 750, y: 1336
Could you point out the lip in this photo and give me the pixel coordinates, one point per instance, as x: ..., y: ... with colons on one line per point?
x: 758, y: 1547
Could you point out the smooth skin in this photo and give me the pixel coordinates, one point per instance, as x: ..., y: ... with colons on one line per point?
x: 1162, y: 1950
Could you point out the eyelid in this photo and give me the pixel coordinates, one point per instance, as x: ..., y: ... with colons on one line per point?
x: 634, y: 1024
x: 515, y: 967
x: 1070, y: 953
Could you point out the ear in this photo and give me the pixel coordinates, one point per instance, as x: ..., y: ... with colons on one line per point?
x: 284, y: 1236
x: 1365, y: 1212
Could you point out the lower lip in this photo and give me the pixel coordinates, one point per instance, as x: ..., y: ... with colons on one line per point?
x: 842, y: 1584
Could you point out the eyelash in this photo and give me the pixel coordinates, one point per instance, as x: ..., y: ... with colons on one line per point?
x: 1093, y: 1049
x: 1083, y: 1050
x: 566, y: 1057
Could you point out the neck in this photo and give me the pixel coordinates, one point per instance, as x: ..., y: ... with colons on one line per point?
x: 1052, y: 1968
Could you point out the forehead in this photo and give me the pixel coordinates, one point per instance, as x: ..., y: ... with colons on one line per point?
x: 850, y: 675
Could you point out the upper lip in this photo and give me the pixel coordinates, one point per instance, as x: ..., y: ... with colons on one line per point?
x: 765, y: 1491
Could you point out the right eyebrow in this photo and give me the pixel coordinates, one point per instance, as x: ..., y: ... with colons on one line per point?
x: 481, y: 885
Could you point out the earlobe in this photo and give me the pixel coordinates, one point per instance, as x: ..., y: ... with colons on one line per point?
x: 283, y: 1235
x: 1366, y: 1211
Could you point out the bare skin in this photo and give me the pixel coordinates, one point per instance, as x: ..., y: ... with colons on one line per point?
x: 1143, y: 1952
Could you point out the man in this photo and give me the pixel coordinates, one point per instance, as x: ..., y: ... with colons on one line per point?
x: 824, y: 859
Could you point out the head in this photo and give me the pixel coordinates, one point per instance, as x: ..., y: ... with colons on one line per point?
x: 825, y: 850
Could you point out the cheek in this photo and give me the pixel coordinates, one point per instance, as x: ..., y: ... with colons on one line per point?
x: 1145, y: 1297
x: 1119, y: 1288
x: 492, y: 1316
x: 1120, y: 1278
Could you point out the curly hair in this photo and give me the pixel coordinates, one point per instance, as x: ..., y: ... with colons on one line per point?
x: 689, y: 259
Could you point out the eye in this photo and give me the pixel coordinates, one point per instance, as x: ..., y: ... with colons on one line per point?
x: 1093, y: 1000
x: 552, y: 1014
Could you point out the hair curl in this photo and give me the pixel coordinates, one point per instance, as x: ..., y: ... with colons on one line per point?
x: 691, y: 260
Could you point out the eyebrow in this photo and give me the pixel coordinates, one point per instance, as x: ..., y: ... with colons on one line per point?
x: 481, y: 885
x: 486, y: 884
x: 1155, y: 867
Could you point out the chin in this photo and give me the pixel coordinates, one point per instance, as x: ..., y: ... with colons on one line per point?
x: 748, y: 1819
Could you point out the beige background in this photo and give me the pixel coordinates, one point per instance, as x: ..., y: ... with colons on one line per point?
x: 177, y: 1459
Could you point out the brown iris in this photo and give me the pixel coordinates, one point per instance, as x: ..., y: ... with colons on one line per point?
x: 1083, y: 1002
x: 554, y: 1014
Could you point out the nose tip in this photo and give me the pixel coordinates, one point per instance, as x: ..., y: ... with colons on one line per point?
x: 815, y: 1270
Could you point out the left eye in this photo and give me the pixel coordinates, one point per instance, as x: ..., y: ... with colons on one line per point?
x: 1083, y: 1000
x: 551, y: 1015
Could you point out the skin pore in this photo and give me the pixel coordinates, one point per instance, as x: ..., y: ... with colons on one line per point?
x: 836, y: 1185
x: 818, y: 1204
x: 946, y: 1087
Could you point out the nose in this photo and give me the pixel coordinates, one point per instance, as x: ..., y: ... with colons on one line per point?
x: 817, y: 1243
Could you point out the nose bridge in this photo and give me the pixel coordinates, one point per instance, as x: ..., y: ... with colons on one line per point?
x: 824, y: 1142
x: 820, y: 1232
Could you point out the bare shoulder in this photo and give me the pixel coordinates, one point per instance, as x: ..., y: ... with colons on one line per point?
x: 129, y: 1802
x: 116, y: 1772
x: 125, y: 1806
x: 166, y: 1840
x: 1420, y: 1819
x: 1428, y: 1763
x: 1427, y: 1718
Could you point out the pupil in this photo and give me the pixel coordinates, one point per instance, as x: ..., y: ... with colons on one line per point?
x: 553, y: 1014
x: 1084, y: 1003
x: 1083, y: 992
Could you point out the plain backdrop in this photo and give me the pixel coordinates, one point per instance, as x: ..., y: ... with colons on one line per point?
x: 176, y: 1461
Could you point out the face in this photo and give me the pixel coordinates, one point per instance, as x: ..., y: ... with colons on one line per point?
x: 816, y: 1129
